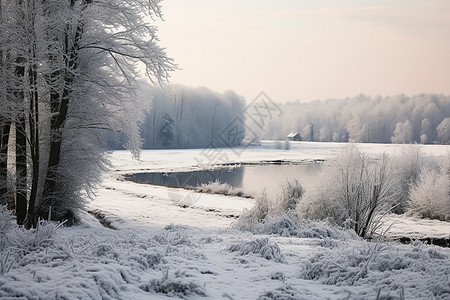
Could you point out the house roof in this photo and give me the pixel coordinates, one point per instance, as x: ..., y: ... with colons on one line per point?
x: 292, y: 134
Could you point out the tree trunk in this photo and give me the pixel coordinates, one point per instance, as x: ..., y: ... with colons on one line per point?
x: 5, y: 125
x: 21, y: 169
x: 59, y: 101
x: 34, y: 140
x: 4, y: 137
x: 21, y: 142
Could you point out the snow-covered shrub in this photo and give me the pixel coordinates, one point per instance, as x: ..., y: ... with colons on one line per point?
x: 7, y: 249
x: 355, y: 193
x: 42, y: 236
x: 292, y: 193
x: 407, y: 166
x: 286, y: 292
x: 293, y: 224
x: 143, y: 259
x: 262, y: 247
x: 104, y: 250
x: 6, y: 262
x: 210, y: 239
x: 175, y: 227
x: 17, y: 242
x: 6, y: 224
x: 172, y: 238
x: 216, y: 187
x: 370, y: 263
x: 8, y: 199
x: 430, y: 196
x: 260, y: 210
x: 178, y: 286
x: 329, y: 243
x: 285, y: 225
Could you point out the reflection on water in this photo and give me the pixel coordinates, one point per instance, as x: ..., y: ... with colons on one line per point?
x: 252, y: 179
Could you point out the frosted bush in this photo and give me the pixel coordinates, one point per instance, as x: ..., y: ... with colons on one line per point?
x: 293, y: 224
x: 262, y: 247
x: 407, y: 166
x: 216, y: 187
x: 356, y: 192
x: 260, y: 210
x: 172, y: 238
x: 16, y: 242
x: 430, y: 196
x: 371, y: 263
x: 143, y: 259
x: 445, y: 165
x: 104, y: 250
x: 6, y: 262
x: 282, y: 226
x: 6, y: 224
x: 286, y: 292
x: 178, y: 286
x: 41, y: 237
x: 292, y: 193
x: 174, y: 287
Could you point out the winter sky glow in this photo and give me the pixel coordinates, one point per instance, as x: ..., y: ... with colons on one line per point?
x: 306, y: 50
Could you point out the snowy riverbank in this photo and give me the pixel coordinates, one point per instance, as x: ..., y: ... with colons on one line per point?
x: 160, y: 248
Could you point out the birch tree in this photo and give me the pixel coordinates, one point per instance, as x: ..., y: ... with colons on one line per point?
x: 72, y: 69
x: 102, y: 45
x: 4, y: 120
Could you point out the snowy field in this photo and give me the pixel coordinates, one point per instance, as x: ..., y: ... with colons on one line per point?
x: 173, y: 243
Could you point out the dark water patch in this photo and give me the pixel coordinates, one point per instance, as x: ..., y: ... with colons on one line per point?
x: 442, y: 242
x: 231, y: 176
x: 253, y: 179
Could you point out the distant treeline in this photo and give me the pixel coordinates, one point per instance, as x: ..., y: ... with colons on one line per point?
x: 184, y: 117
x: 423, y: 118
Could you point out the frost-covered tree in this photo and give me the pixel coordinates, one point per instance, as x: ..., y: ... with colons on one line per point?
x: 107, y: 40
x: 307, y: 133
x: 69, y: 72
x: 166, y: 132
x: 430, y: 196
x: 403, y: 133
x: 443, y: 131
x: 200, y: 117
x: 425, y: 131
x: 364, y: 119
x: 18, y: 48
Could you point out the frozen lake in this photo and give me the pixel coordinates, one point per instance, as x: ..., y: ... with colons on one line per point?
x: 180, y: 167
x: 252, y: 179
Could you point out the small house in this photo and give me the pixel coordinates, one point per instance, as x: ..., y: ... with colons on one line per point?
x: 294, y: 136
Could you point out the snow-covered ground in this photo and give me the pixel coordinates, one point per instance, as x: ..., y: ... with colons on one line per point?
x: 170, y: 242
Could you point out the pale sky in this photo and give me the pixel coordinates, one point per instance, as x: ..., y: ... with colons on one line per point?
x: 310, y: 49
